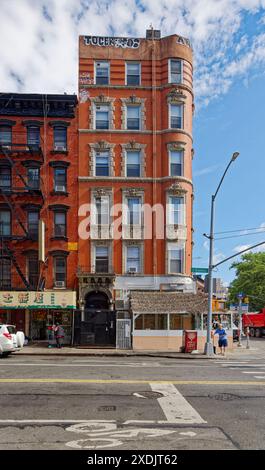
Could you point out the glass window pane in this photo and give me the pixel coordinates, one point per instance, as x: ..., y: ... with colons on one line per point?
x: 102, y: 210
x: 133, y: 259
x: 5, y: 222
x: 133, y: 117
x: 102, y: 164
x: 5, y: 273
x: 102, y: 117
x: 59, y: 224
x: 5, y: 135
x: 134, y: 211
x: 176, y: 116
x: 102, y: 73
x: 34, y: 178
x: 139, y: 322
x: 60, y: 137
x: 5, y: 177
x: 133, y: 164
x: 175, y: 322
x: 33, y: 135
x: 175, y: 66
x: 176, y: 163
x: 133, y: 74
x: 60, y: 269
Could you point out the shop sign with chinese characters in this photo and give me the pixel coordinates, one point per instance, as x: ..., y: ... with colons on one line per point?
x: 37, y: 300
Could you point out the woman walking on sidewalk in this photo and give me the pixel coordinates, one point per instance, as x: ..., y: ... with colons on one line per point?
x: 222, y: 342
x: 59, y: 335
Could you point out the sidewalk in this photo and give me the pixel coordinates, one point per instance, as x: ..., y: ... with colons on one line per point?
x: 36, y: 350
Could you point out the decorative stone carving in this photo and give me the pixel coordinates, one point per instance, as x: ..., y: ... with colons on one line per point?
x: 133, y: 100
x: 176, y: 95
x: 133, y: 145
x: 99, y: 100
x: 99, y: 147
x: 176, y: 189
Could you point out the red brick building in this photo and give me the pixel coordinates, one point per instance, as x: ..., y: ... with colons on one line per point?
x: 38, y: 182
x: 135, y: 150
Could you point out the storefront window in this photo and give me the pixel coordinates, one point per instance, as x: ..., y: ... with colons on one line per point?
x: 151, y: 322
x: 176, y: 322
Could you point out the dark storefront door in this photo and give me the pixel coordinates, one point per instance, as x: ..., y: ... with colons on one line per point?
x: 99, y: 327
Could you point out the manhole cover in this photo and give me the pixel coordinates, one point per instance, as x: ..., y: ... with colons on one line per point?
x: 148, y: 394
x: 107, y: 408
x: 225, y: 397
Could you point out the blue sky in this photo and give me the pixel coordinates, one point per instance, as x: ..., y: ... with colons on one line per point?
x: 228, y: 36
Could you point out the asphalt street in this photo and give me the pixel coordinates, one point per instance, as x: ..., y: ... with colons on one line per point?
x: 133, y: 402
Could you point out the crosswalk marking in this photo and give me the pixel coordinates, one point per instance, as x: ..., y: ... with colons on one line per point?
x: 175, y: 407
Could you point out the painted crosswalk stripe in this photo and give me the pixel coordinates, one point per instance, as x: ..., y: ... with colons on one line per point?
x: 175, y: 407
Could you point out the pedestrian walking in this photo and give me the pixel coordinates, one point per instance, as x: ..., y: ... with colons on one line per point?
x: 59, y: 334
x: 222, y: 342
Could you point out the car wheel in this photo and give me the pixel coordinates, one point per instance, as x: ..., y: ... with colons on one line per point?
x: 5, y: 354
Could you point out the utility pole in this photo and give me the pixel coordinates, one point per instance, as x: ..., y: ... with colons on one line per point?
x: 240, y: 319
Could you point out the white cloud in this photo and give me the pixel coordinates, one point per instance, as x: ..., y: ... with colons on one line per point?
x: 40, y: 38
x: 206, y: 171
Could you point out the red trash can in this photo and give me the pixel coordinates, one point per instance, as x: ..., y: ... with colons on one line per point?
x: 191, y: 340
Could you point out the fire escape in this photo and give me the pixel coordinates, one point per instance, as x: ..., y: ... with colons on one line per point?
x: 19, y: 188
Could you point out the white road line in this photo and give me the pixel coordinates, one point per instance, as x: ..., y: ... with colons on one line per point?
x: 78, y: 365
x: 242, y: 365
x: 47, y: 421
x: 249, y: 372
x: 232, y: 362
x: 175, y: 407
x: 259, y: 376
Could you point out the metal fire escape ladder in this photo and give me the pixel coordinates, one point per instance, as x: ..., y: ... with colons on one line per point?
x: 10, y: 255
x: 2, y: 193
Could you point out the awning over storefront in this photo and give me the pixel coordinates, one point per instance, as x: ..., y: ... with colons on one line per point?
x: 37, y: 300
x: 167, y: 302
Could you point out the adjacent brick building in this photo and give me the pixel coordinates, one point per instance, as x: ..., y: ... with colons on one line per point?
x: 38, y: 178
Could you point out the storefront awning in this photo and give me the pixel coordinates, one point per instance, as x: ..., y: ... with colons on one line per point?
x: 167, y: 302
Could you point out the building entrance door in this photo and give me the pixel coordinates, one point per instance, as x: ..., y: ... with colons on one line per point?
x: 99, y: 327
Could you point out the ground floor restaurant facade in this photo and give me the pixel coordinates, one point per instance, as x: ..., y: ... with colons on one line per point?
x: 36, y: 312
x: 160, y: 320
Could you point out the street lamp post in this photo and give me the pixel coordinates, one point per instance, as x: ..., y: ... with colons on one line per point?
x: 208, y: 350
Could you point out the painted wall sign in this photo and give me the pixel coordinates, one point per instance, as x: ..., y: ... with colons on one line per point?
x: 37, y: 300
x: 132, y: 43
x: 182, y: 40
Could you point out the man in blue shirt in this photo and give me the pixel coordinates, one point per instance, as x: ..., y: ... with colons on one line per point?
x: 222, y: 342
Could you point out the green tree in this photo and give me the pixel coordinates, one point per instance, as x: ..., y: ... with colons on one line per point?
x: 250, y: 280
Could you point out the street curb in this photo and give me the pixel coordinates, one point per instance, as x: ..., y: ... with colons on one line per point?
x: 84, y: 354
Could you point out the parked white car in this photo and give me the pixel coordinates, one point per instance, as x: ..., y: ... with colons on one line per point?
x: 10, y: 340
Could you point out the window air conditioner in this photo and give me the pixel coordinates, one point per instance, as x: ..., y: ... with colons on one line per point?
x: 60, y: 188
x: 59, y: 283
x: 60, y: 148
x: 132, y: 270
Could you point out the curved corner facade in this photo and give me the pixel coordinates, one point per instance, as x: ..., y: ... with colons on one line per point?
x: 135, y: 168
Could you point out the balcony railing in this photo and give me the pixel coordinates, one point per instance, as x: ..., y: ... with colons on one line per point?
x: 101, y: 232
x: 176, y: 232
x: 20, y: 145
x: 132, y: 232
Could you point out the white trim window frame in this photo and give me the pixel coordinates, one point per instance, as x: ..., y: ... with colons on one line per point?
x: 176, y: 119
x: 176, y: 210
x: 132, y: 74
x: 102, y: 65
x: 131, y: 115
x: 133, y: 258
x: 101, y: 214
x: 176, y: 257
x: 133, y: 217
x: 170, y: 73
x: 133, y: 163
x: 176, y: 168
x: 102, y: 163
x: 103, y: 109
x: 102, y: 258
